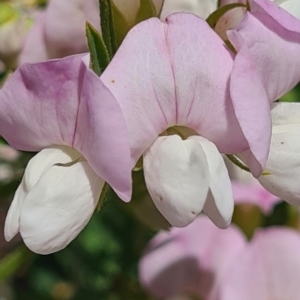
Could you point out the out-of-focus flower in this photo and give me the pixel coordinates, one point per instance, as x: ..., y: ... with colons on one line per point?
x: 189, y: 260
x: 268, y: 268
x: 60, y: 30
x: 14, y: 27
x: 6, y: 172
x: 203, y: 261
x: 62, y: 183
x: 8, y: 153
x: 247, y: 189
x: 171, y: 97
x: 283, y: 164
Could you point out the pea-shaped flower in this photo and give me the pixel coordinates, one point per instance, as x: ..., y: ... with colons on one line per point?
x: 45, y: 107
x: 172, y: 82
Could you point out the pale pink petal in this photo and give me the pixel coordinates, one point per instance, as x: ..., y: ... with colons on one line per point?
x: 64, y: 103
x: 65, y: 25
x: 34, y: 48
x: 169, y: 84
x: 60, y: 30
x: 101, y: 135
x: 59, y: 206
x: 273, y: 39
x: 201, y: 74
x: 176, y: 175
x: 140, y: 77
x: 269, y: 268
x: 39, y: 104
x: 254, y: 193
x: 189, y: 259
x: 251, y: 103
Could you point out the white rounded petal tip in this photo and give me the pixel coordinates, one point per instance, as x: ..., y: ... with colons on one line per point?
x: 176, y: 175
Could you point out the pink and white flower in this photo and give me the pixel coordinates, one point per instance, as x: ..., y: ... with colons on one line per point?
x: 174, y: 86
x: 46, y: 107
x: 190, y: 260
x: 203, y: 261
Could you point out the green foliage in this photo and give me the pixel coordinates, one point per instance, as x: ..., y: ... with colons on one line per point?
x: 98, y: 51
x: 13, y: 261
x: 113, y: 25
x: 292, y: 96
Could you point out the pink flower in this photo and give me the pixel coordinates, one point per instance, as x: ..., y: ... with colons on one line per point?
x: 270, y: 37
x: 46, y: 107
x: 189, y: 260
x: 204, y: 261
x: 247, y: 189
x: 60, y: 30
x: 268, y: 268
x: 172, y: 82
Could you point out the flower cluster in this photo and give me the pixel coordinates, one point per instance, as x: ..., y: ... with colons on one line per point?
x: 163, y: 91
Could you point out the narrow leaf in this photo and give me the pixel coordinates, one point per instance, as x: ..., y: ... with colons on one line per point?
x: 98, y: 50
x: 105, y: 17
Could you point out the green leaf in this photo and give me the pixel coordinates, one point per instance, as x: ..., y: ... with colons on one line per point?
x: 146, y: 11
x: 213, y: 19
x: 13, y: 261
x: 105, y: 17
x: 113, y: 25
x: 98, y: 50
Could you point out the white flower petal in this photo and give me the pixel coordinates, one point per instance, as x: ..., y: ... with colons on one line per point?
x: 39, y: 164
x: 46, y: 159
x: 12, y: 222
x: 284, y: 158
x: 176, y: 175
x: 220, y: 204
x: 59, y: 206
